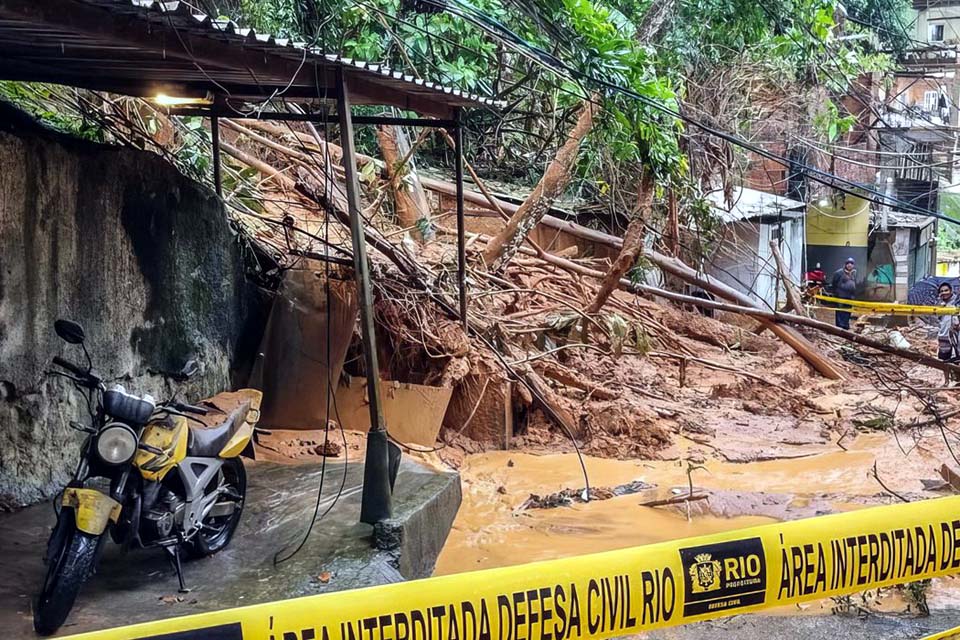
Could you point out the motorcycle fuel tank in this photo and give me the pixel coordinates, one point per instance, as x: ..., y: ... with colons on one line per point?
x: 163, y: 445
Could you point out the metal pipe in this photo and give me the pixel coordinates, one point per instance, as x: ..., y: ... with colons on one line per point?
x: 461, y: 224
x: 215, y: 136
x: 375, y: 504
x: 409, y: 122
x: 437, y: 123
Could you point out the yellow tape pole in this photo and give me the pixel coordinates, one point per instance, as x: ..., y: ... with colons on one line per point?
x: 614, y: 593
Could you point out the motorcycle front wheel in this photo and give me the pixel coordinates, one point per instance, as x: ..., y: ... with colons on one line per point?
x: 71, y: 558
x: 216, y: 531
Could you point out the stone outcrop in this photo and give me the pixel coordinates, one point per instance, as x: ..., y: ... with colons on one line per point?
x: 143, y: 257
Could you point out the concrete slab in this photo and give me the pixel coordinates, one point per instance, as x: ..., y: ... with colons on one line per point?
x: 140, y: 585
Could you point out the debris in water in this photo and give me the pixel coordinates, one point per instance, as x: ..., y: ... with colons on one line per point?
x: 675, y: 500
x: 568, y: 497
x: 329, y: 449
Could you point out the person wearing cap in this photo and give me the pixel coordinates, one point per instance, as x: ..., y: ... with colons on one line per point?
x: 844, y: 285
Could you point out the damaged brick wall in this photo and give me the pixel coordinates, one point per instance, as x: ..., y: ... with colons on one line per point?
x: 140, y: 255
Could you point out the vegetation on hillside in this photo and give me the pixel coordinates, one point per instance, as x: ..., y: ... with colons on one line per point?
x: 756, y: 70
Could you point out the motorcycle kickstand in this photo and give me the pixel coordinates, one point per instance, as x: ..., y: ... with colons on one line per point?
x: 174, y: 551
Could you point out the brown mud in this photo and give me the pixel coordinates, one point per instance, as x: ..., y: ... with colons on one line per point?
x: 791, y: 447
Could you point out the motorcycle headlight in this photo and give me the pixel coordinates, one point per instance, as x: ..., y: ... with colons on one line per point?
x: 116, y: 444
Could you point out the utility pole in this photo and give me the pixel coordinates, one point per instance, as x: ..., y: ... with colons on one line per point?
x: 376, y: 503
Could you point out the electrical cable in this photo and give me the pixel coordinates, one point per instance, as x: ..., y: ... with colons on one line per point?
x: 330, y: 397
x: 849, y: 82
x: 850, y: 187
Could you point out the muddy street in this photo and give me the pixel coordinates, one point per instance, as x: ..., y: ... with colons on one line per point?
x: 751, y: 469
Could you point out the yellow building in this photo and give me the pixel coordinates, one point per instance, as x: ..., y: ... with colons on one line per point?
x: 837, y: 229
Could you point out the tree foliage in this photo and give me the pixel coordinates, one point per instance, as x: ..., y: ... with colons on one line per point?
x: 890, y: 20
x: 794, y: 44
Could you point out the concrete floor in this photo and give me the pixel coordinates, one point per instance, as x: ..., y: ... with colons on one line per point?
x: 140, y: 585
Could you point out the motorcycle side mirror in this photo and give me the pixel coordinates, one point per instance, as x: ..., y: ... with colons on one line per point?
x: 189, y: 370
x: 69, y: 331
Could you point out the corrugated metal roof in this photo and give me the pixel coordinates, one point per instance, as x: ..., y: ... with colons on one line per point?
x: 128, y: 44
x: 750, y: 204
x: 904, y: 220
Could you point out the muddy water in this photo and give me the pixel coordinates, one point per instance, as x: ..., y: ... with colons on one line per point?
x: 491, y: 532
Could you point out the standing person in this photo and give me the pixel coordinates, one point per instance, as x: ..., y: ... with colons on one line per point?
x: 844, y: 285
x: 948, y: 336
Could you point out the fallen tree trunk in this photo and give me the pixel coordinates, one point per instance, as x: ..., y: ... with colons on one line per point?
x: 789, y: 335
x: 629, y: 252
x: 285, y: 181
x: 564, y: 376
x: 410, y: 203
x: 793, y: 296
x: 779, y: 316
x: 483, y: 189
x: 505, y: 244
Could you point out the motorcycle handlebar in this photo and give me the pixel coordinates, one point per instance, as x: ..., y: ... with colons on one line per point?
x: 84, y: 377
x: 69, y: 366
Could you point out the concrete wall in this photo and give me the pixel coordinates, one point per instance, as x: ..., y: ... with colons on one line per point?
x: 837, y: 231
x: 143, y: 257
x: 946, y: 15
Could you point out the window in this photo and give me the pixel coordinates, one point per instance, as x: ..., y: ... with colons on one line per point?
x: 930, y: 99
x: 935, y: 33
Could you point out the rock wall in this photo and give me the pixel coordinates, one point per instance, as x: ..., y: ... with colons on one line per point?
x: 144, y: 258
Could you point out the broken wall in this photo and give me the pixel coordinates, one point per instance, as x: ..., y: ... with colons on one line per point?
x: 144, y: 258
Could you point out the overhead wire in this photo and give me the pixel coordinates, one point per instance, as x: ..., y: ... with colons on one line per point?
x: 850, y: 83
x: 850, y: 187
x: 331, y: 396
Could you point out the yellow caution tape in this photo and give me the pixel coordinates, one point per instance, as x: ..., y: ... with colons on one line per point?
x: 949, y: 634
x: 614, y: 593
x: 893, y: 308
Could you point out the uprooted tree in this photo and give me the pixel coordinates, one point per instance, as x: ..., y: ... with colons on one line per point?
x: 505, y: 244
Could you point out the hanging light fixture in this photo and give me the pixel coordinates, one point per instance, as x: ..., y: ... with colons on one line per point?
x: 166, y: 100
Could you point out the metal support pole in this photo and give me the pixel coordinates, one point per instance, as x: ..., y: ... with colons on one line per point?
x: 461, y: 231
x: 375, y: 504
x: 215, y: 136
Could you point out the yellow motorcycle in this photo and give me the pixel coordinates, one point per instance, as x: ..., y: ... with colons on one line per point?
x: 153, y: 474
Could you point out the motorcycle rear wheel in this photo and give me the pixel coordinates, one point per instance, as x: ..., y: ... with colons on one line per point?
x: 70, y: 564
x: 215, y: 532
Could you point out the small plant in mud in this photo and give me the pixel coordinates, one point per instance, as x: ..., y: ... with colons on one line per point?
x: 619, y: 330
x: 858, y: 605
x: 915, y: 593
x: 641, y: 340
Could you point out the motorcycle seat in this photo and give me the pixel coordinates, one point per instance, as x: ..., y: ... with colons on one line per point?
x: 207, y: 442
